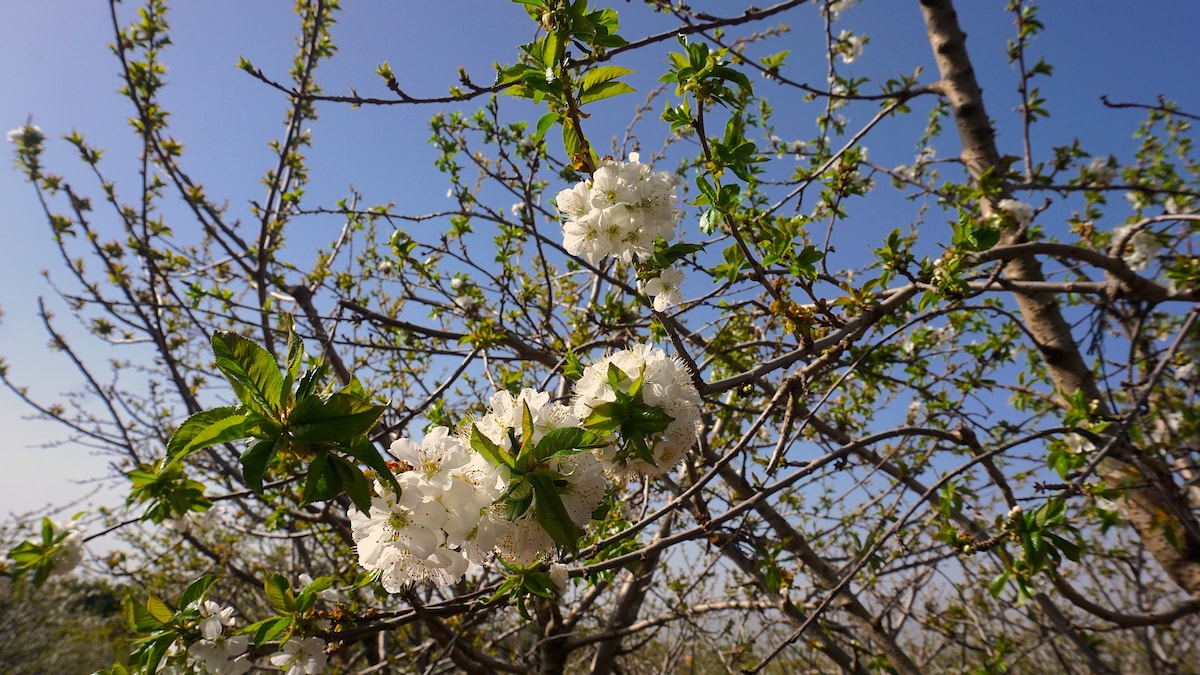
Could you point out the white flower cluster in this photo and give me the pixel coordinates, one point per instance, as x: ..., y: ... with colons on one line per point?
x: 849, y: 46
x: 215, y: 653
x: 422, y: 533
x: 30, y: 134
x: 834, y: 8
x: 666, y: 385
x: 1020, y: 211
x: 1099, y: 172
x: 1140, y: 247
x: 71, y: 552
x: 622, y: 211
x: 457, y: 507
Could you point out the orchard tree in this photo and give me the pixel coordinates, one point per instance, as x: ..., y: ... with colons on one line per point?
x: 725, y: 394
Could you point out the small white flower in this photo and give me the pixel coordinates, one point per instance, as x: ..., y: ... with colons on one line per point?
x: 216, y: 618
x: 1099, y: 172
x: 1020, y: 211
x: 850, y: 46
x: 666, y: 289
x: 222, y: 656
x: 456, y: 283
x: 1140, y: 249
x: 518, y: 208
x: 30, y: 134
x: 304, y: 656
x: 835, y: 8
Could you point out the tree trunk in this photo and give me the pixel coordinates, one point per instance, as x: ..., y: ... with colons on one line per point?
x: 1151, y: 499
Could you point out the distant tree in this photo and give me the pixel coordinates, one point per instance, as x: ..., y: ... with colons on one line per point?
x: 613, y: 417
x: 63, y: 626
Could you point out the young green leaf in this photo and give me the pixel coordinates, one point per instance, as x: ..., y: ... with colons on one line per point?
x: 205, y: 429
x: 493, y: 453
x: 550, y: 512
x: 251, y: 370
x: 196, y: 591
x: 323, y: 481
x: 279, y: 593
x: 362, y: 449
x: 567, y: 440
x: 332, y: 419
x: 255, y: 461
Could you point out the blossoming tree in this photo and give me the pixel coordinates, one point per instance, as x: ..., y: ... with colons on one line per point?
x: 666, y: 413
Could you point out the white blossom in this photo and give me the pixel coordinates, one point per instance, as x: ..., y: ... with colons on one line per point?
x: 402, y: 538
x: 834, y: 8
x: 1140, y: 248
x: 667, y: 385
x: 1020, y: 211
x: 666, y: 289
x: 30, y: 134
x: 558, y: 575
x: 301, y: 656
x: 215, y: 619
x: 1099, y: 172
x: 222, y: 656
x: 622, y: 211
x: 523, y: 540
x: 850, y: 46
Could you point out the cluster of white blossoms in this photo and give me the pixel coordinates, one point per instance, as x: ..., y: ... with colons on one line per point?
x: 621, y: 212
x: 422, y: 534
x: 1020, y: 211
x: 30, y: 134
x: 1099, y: 172
x: 491, y: 487
x: 216, y: 652
x: 849, y: 46
x: 71, y: 552
x: 1140, y: 248
x: 666, y: 385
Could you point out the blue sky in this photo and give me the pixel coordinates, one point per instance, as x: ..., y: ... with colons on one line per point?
x: 62, y: 74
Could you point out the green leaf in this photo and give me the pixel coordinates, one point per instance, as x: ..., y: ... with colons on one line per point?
x: 322, y: 482
x: 268, y: 630
x: 550, y: 512
x: 602, y: 91
x: 140, y: 619
x: 310, y: 593
x: 196, y: 591
x: 985, y: 237
x: 251, y: 370
x: 336, y: 418
x: 255, y: 461
x: 567, y: 440
x: 362, y: 449
x: 356, y: 485
x: 518, y: 501
x: 543, y: 125
x: 606, y: 418
x: 602, y: 74
x: 998, y: 584
x: 205, y: 429
x: 279, y: 593
x: 159, y: 610
x: 493, y: 453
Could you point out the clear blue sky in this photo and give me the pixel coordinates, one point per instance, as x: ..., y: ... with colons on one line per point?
x: 59, y: 70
